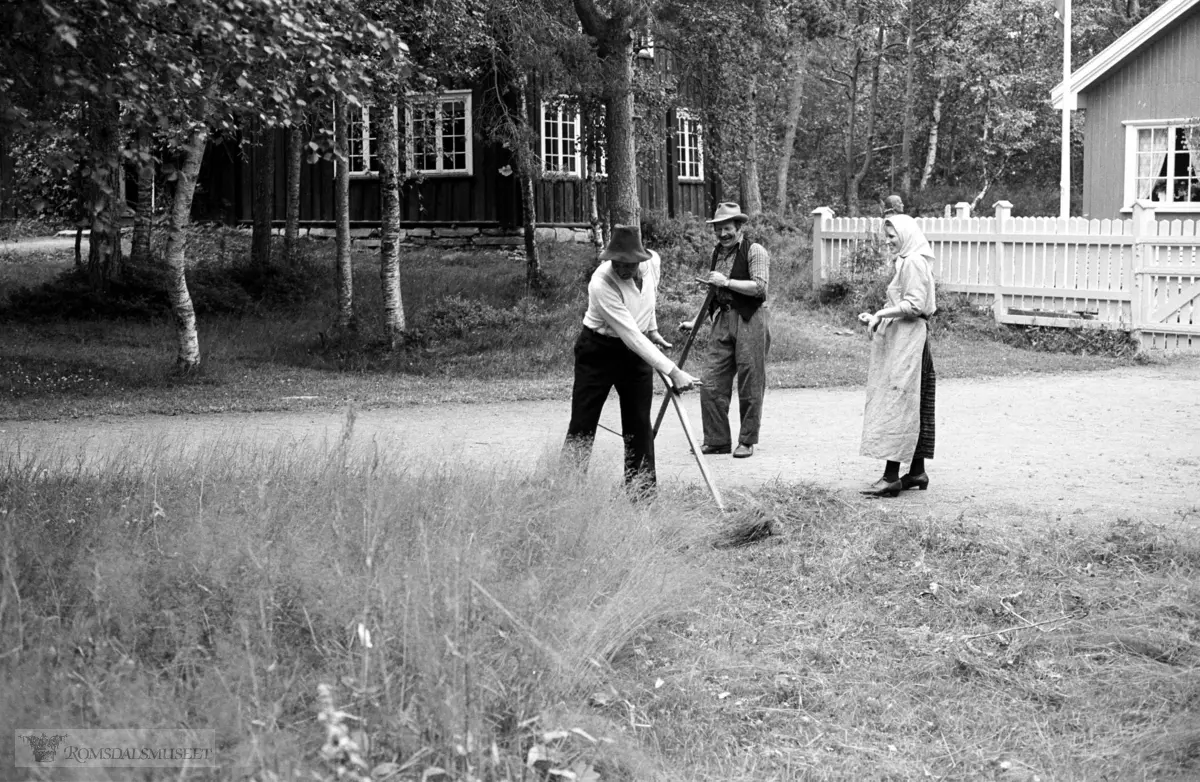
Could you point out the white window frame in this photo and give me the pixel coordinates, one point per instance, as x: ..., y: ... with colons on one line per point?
x: 1132, y: 128
x: 440, y: 99
x: 645, y: 45
x: 561, y: 114
x: 682, y: 132
x: 363, y: 138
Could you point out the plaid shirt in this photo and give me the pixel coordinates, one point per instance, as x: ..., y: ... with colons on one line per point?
x: 760, y: 265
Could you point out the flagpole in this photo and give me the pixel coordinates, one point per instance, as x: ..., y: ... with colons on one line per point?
x: 1064, y: 185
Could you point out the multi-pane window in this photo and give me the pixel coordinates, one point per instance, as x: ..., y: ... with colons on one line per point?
x: 1166, y: 163
x: 362, y: 135
x: 560, y: 140
x: 645, y: 45
x: 689, y: 146
x: 439, y: 133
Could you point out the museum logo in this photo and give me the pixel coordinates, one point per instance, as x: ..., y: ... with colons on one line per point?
x: 116, y: 748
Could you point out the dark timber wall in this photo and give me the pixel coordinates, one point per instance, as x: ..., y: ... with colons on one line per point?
x: 488, y: 197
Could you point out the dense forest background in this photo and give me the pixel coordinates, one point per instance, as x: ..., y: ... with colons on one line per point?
x: 802, y: 103
x: 805, y: 102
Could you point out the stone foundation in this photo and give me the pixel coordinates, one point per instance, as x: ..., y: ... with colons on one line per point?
x: 455, y: 236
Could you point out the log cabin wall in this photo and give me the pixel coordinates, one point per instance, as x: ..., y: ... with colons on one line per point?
x: 489, y: 196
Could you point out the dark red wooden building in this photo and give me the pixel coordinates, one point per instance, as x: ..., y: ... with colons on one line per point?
x: 454, y: 178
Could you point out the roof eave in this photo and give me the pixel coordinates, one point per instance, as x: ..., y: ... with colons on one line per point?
x: 1121, y: 49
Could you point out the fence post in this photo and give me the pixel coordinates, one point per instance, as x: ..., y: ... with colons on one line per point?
x: 1145, y: 228
x: 1003, y: 210
x: 820, y: 216
x: 962, y: 209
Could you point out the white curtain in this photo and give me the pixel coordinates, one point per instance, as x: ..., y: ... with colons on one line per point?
x: 1192, y: 133
x: 1151, y: 157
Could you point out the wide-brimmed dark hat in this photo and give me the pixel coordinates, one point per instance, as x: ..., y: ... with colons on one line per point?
x: 625, y: 246
x: 728, y: 210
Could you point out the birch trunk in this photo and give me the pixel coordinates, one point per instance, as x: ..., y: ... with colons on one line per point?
x: 931, y: 152
x: 176, y: 263
x: 906, y: 133
x: 524, y: 159
x: 389, y: 244
x: 593, y: 206
x: 791, y: 124
x: 291, y: 229
x: 341, y: 216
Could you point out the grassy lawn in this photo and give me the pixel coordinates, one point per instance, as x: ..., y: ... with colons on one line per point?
x: 476, y: 336
x: 504, y: 626
x: 336, y: 618
x: 333, y: 616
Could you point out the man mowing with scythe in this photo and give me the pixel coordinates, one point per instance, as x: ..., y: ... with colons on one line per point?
x: 620, y: 346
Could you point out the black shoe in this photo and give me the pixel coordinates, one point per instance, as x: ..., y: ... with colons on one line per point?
x: 743, y: 451
x: 709, y: 450
x: 884, y: 488
x: 910, y: 481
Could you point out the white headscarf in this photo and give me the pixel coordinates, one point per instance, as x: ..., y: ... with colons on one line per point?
x: 912, y: 241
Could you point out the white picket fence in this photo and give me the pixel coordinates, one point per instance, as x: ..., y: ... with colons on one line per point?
x: 1139, y: 274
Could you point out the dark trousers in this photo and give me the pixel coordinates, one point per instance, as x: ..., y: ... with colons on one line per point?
x: 736, y: 349
x: 600, y: 364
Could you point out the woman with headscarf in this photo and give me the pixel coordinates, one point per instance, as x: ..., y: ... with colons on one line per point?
x: 898, y: 420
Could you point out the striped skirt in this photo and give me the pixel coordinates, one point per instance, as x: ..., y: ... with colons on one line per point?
x: 925, y: 439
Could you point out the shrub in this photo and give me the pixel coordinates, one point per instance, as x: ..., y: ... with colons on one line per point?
x: 220, y: 281
x: 457, y: 316
x: 26, y: 227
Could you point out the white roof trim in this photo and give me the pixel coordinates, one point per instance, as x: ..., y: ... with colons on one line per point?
x: 1116, y: 52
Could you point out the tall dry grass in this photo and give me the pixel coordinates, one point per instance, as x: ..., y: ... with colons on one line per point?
x: 449, y: 611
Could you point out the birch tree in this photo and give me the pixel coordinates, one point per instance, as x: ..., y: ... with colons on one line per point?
x: 186, y: 66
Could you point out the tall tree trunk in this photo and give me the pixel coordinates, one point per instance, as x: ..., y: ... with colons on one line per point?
x: 751, y: 187
x: 623, y: 207
x: 264, y: 194
x: 615, y: 38
x: 934, y: 125
x: 104, y: 207
x: 143, y: 215
x: 177, y: 290
x: 751, y: 184
x: 291, y: 231
x: 341, y: 216
x: 849, y: 197
x: 906, y: 132
x: 389, y: 244
x: 791, y: 123
x: 869, y: 138
x: 525, y: 161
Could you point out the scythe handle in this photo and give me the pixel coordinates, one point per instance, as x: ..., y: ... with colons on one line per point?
x: 687, y: 348
x: 673, y: 398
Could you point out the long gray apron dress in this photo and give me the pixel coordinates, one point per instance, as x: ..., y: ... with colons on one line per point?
x: 892, y: 419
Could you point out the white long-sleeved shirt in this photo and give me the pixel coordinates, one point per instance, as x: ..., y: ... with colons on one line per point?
x: 616, y: 308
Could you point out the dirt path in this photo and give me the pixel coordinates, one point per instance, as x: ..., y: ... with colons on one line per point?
x: 1018, y: 450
